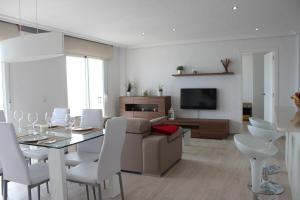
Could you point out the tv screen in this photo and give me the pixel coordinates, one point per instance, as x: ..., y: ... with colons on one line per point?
x: 199, y: 98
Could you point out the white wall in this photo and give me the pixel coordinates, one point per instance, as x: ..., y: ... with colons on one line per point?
x: 247, y: 77
x: 41, y: 85
x: 113, y: 78
x: 38, y: 86
x: 152, y: 66
x: 258, y: 85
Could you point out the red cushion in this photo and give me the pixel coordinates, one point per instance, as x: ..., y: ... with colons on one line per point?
x: 165, y: 129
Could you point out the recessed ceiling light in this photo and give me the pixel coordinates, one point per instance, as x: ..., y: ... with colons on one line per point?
x: 257, y: 29
x: 143, y: 33
x: 234, y: 8
x: 173, y: 29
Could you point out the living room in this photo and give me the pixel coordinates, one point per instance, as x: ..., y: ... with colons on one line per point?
x: 176, y: 72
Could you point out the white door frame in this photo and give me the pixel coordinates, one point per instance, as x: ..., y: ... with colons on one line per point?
x: 275, y: 74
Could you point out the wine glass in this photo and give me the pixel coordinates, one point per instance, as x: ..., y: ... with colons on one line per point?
x: 18, y: 116
x: 48, y: 119
x: 36, y: 119
x: 32, y: 119
x: 69, y: 121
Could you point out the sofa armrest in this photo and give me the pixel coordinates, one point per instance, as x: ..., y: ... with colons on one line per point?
x: 152, y: 148
x: 159, y: 154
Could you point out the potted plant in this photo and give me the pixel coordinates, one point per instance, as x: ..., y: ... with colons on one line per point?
x: 180, y: 69
x: 146, y: 93
x: 160, y: 90
x: 129, y: 88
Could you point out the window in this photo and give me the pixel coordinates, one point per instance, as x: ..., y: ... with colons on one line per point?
x: 85, y: 84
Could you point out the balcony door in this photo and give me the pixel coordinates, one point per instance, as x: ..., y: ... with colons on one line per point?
x: 85, y: 83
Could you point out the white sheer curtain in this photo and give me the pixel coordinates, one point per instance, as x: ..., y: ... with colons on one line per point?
x: 85, y: 84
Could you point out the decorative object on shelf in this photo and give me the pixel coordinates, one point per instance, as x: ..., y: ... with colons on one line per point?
x: 129, y: 88
x: 180, y: 69
x: 154, y: 109
x: 195, y: 72
x: 225, y: 62
x: 160, y: 90
x: 146, y: 93
x: 171, y: 114
x: 296, y: 98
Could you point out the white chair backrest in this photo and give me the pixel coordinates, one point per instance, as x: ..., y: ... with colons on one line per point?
x: 2, y: 116
x: 110, y: 157
x: 12, y: 159
x: 59, y: 116
x: 92, y: 118
x: 264, y: 134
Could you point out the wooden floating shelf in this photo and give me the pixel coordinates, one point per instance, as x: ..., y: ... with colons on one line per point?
x: 205, y: 74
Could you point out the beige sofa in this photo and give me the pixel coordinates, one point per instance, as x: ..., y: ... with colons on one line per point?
x: 149, y: 153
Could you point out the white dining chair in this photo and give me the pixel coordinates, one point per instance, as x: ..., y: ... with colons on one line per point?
x: 109, y: 163
x: 59, y: 116
x: 16, y: 169
x: 89, y: 150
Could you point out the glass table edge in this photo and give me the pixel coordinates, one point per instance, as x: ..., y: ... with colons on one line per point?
x: 60, y: 147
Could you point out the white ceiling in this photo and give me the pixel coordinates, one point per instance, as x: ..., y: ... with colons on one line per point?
x: 123, y: 21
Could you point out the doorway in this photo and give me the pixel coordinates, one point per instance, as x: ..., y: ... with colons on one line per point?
x: 258, y: 96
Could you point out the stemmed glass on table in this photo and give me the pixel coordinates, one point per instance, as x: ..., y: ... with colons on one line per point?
x: 48, y: 119
x: 18, y: 116
x: 70, y: 121
x: 32, y: 119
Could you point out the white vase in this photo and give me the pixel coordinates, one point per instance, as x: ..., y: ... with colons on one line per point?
x: 179, y: 71
x: 128, y: 94
x: 160, y: 93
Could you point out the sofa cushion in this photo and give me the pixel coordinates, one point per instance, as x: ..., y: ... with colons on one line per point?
x: 138, y: 125
x: 165, y: 129
x: 171, y: 137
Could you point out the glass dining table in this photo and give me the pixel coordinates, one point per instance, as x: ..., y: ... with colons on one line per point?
x: 56, y: 139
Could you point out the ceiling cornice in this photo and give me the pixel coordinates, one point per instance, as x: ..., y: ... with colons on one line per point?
x: 65, y: 32
x: 172, y: 43
x: 195, y: 41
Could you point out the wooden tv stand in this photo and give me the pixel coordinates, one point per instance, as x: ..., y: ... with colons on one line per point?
x: 204, y: 128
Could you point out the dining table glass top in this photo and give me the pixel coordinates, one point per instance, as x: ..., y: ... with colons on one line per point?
x: 57, y: 137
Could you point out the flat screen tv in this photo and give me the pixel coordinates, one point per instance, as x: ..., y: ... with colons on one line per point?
x: 198, y: 98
